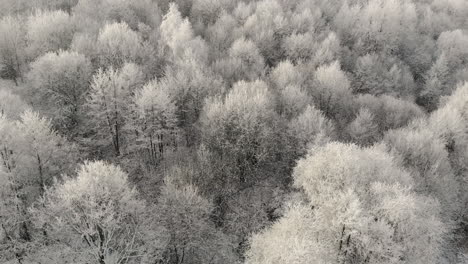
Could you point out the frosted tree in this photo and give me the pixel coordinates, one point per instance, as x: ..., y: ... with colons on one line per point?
x: 437, y: 83
x: 390, y: 112
x: 378, y: 25
x: 191, y: 233
x: 448, y: 123
x: 174, y: 29
x: 14, y: 227
x: 31, y: 154
x: 12, y: 48
x: 97, y: 213
x: 328, y: 50
x: 299, y: 47
x: 247, y: 147
x: 117, y: 44
x: 43, y: 152
x: 207, y: 11
x: 263, y: 26
x: 363, y: 130
x: 286, y: 73
x: 134, y: 13
x: 341, y: 222
x: 424, y: 154
x: 91, y: 15
x: 188, y: 84
x: 109, y: 101
x: 311, y: 128
x: 218, y: 34
x: 240, y: 128
x: 368, y: 74
x: 250, y: 57
x: 458, y: 100
x: 178, y: 35
x: 293, y: 100
x: 451, y: 44
x: 244, y: 62
x: 11, y: 104
x: 59, y: 83
x: 288, y: 80
x: 331, y: 91
x: 377, y: 75
x: 155, y: 119
x: 8, y: 142
x: 48, y: 31
x: 12, y: 207
x: 85, y: 43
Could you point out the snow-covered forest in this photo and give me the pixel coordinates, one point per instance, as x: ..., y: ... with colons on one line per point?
x: 234, y: 131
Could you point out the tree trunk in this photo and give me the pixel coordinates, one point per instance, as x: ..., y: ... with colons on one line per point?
x: 161, y: 145
x: 24, y: 232
x: 116, y: 140
x: 101, y: 259
x: 41, y: 175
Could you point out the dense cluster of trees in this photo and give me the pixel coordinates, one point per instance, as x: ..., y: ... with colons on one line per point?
x: 217, y: 131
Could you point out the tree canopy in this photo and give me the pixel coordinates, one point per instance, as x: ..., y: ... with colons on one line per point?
x: 217, y: 131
